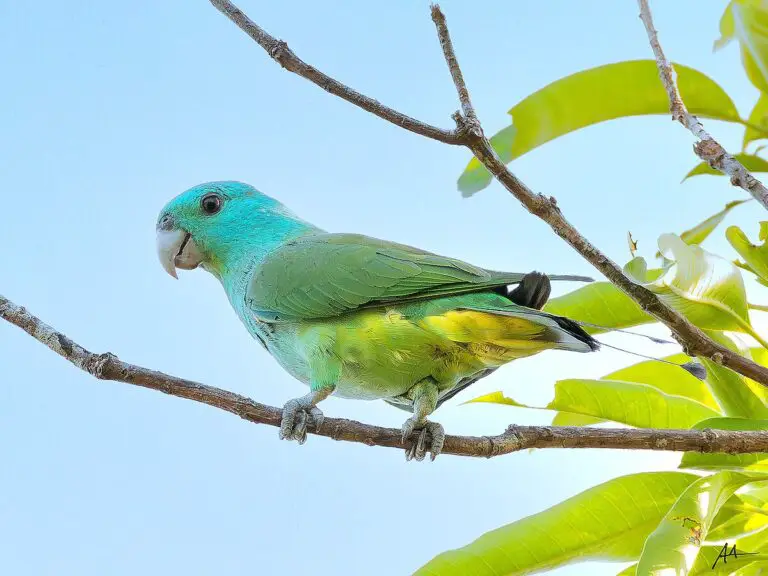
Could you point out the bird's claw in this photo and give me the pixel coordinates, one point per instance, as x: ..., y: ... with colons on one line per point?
x: 296, y: 416
x: 418, y: 450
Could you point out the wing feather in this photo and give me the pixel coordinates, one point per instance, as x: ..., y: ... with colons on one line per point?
x: 324, y: 275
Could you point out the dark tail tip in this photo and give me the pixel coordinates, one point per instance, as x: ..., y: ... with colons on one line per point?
x: 577, y: 332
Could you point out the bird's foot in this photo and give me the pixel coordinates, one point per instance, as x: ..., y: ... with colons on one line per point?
x: 418, y: 450
x: 297, y: 413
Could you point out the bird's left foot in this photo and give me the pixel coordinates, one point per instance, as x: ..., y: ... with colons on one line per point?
x: 418, y: 450
x: 297, y: 414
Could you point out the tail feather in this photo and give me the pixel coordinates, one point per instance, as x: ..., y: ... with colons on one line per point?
x: 523, y: 325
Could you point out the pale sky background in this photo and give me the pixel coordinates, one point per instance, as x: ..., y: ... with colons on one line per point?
x: 109, y: 109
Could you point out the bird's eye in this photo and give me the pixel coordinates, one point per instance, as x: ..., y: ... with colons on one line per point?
x: 211, y: 203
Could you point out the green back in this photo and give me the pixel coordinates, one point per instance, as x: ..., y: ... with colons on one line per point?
x: 325, y: 275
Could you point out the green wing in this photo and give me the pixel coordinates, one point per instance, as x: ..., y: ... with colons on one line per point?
x: 325, y: 275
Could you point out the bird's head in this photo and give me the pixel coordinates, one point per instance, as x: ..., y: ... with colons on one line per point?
x: 215, y: 225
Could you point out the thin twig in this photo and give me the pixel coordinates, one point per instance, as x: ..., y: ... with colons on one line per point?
x: 469, y: 133
x: 283, y: 55
x: 453, y: 66
x: 109, y: 367
x: 707, y: 148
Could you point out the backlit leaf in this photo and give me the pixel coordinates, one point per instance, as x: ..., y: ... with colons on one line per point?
x: 592, y: 96
x: 676, y: 542
x: 625, y: 402
x: 607, y: 522
x: 755, y: 255
x: 668, y: 379
x: 733, y: 393
x: 705, y: 288
x: 747, y: 22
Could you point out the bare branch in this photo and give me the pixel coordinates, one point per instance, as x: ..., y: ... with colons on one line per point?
x: 707, y: 148
x: 283, y: 55
x: 108, y: 367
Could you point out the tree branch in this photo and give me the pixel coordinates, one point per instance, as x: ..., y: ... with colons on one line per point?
x: 283, y: 55
x: 108, y: 367
x: 469, y: 133
x: 707, y: 148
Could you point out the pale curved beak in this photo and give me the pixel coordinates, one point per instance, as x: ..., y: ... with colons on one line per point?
x: 177, y: 249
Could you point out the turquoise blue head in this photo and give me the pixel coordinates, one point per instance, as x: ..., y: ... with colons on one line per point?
x: 220, y: 225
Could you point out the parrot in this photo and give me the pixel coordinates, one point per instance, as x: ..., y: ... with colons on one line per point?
x: 358, y: 317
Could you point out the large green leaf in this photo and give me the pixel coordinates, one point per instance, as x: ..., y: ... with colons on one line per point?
x: 756, y: 256
x: 749, y: 161
x: 733, y: 393
x: 668, y: 379
x: 756, y: 461
x: 625, y: 402
x: 599, y: 303
x: 592, y: 96
x: 609, y: 521
x: 676, y: 542
x: 705, y: 288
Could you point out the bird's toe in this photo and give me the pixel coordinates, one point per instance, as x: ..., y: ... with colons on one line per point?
x: 430, y: 439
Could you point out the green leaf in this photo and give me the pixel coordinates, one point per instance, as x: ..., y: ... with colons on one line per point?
x: 628, y: 403
x: 732, y: 392
x: 609, y: 521
x: 759, y: 355
x: 497, y: 398
x: 756, y: 461
x: 625, y: 402
x: 715, y: 561
x: 599, y: 303
x: 756, y: 256
x: 706, y: 289
x: 592, y: 96
x: 749, y: 161
x: 676, y: 542
x: 757, y: 128
x: 747, y: 21
x: 737, y: 518
x: 701, y: 231
x: 668, y: 379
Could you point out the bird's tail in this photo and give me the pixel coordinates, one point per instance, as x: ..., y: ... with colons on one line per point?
x: 533, y: 292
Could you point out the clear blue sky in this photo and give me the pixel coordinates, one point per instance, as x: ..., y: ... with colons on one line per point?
x: 108, y: 109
